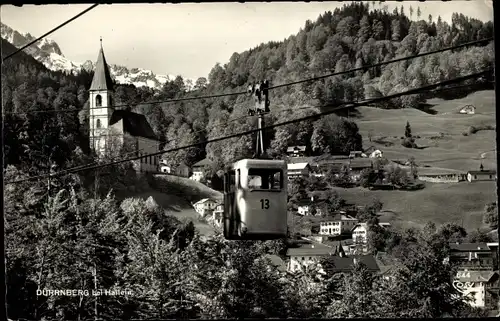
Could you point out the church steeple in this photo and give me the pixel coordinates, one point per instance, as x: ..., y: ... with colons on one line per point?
x: 101, y: 103
x: 102, y: 76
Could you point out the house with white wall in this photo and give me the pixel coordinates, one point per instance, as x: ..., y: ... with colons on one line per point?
x: 198, y: 169
x: 478, y: 286
x: 306, y: 255
x: 338, y: 224
x: 298, y: 170
x: 205, y: 206
x: 218, y: 215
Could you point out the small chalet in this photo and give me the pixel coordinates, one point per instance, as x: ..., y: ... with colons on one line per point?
x: 298, y: 169
x: 474, y: 256
x: 468, y: 109
x: 357, y: 165
x: 205, y: 206
x: 198, y: 169
x: 296, y: 151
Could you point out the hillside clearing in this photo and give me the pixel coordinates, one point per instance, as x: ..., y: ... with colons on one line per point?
x: 461, y: 203
x: 441, y: 140
x: 175, y: 196
x: 186, y: 188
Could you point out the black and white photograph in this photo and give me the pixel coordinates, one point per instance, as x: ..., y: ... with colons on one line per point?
x: 260, y: 160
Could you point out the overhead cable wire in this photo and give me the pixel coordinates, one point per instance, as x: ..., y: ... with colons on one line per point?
x: 311, y: 117
x: 281, y: 85
x: 220, y: 123
x: 51, y: 31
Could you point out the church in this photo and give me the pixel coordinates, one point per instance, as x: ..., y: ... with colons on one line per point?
x: 118, y: 131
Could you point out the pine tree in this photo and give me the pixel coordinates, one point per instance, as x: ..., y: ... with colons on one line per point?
x: 408, y: 130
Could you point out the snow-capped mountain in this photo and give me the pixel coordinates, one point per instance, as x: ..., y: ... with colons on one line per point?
x: 49, y: 53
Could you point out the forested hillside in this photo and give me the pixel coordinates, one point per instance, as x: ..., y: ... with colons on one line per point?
x: 347, y: 38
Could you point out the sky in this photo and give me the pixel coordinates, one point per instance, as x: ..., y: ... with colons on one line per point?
x: 188, y: 39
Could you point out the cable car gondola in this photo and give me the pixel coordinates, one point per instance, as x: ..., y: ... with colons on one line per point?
x: 255, y: 199
x: 255, y: 190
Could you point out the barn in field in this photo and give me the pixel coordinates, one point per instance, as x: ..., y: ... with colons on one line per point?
x: 469, y: 110
x: 440, y: 175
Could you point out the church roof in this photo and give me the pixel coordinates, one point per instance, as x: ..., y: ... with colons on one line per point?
x: 102, y: 77
x: 133, y: 124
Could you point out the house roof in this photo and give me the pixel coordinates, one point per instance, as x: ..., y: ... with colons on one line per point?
x: 102, y: 76
x: 133, y: 124
x: 469, y: 247
x: 436, y: 171
x: 365, y: 225
x: 476, y: 276
x: 333, y: 162
x: 204, y: 200
x: 371, y: 149
x: 361, y: 163
x: 339, y: 217
x: 326, y: 157
x: 483, y: 172
x: 315, y: 249
x: 346, y: 264
x: 203, y: 162
x: 295, y: 160
x: 276, y: 261
x: 297, y: 166
x: 296, y: 148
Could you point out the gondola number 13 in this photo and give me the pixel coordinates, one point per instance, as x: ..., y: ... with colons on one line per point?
x: 264, y: 203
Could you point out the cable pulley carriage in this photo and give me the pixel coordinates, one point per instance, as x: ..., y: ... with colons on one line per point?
x: 255, y: 190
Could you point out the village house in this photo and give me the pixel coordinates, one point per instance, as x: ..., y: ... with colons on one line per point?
x: 481, y: 287
x: 337, y: 225
x: 296, y: 151
x: 305, y: 206
x: 440, y: 175
x: 113, y: 131
x: 346, y: 264
x: 295, y: 170
x: 356, y: 154
x: 218, y: 215
x: 205, y: 206
x: 357, y: 165
x: 277, y: 262
x: 305, y: 209
x: 474, y: 256
x: 477, y: 276
x: 334, y: 165
x: 481, y: 175
x: 341, y: 247
x: 181, y: 169
x: 468, y: 109
x: 164, y: 167
x: 306, y: 254
x: 373, y: 152
x: 198, y: 170
x: 360, y: 236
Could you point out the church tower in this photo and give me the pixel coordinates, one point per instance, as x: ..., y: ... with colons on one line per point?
x: 101, y: 104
